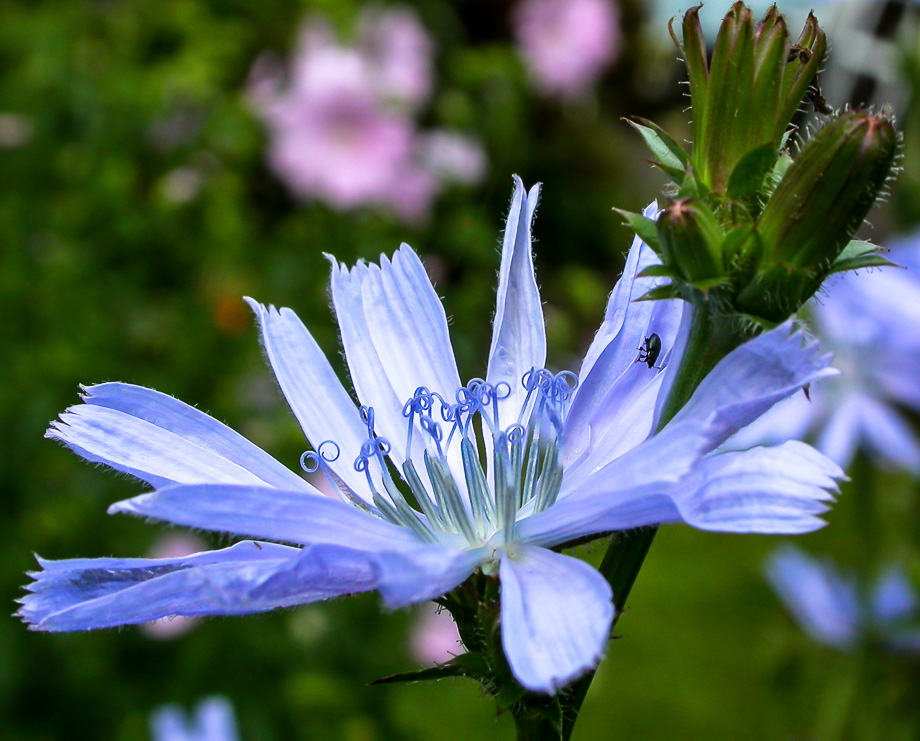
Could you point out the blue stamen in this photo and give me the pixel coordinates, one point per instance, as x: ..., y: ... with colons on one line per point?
x: 311, y: 461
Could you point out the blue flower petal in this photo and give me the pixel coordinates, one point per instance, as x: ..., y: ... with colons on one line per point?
x: 86, y: 594
x: 556, y: 616
x: 408, y: 326
x: 518, y: 332
x: 261, y: 512
x: 372, y: 385
x: 823, y: 602
x: 752, y: 378
x: 840, y: 437
x: 396, y: 340
x: 894, y: 598
x: 195, y: 428
x: 614, y: 404
x: 158, y: 452
x: 889, y: 435
x: 424, y: 573
x: 622, y: 303
x: 632, y: 491
x: 214, y: 720
x: 317, y: 397
x: 783, y: 489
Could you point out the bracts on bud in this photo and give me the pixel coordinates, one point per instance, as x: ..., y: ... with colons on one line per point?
x: 816, y: 208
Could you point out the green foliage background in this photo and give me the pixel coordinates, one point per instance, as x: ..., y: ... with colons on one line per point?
x: 104, y: 277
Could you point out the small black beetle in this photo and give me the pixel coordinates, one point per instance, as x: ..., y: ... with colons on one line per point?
x: 650, y: 351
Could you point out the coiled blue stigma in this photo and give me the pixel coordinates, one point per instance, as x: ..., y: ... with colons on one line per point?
x: 524, y: 459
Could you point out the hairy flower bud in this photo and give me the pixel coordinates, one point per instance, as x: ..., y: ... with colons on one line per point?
x: 828, y: 190
x: 819, y: 204
x: 690, y: 239
x: 744, y: 98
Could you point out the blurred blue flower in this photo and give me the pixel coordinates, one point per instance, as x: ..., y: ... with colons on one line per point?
x: 495, y: 473
x: 213, y: 721
x: 871, y: 322
x: 829, y: 607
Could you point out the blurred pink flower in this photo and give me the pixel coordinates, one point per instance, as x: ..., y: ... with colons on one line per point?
x: 174, y: 545
x: 434, y: 638
x: 398, y: 50
x: 567, y: 44
x: 341, y: 128
x: 453, y: 157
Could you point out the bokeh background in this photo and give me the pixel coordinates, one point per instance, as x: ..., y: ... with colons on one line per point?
x: 160, y: 160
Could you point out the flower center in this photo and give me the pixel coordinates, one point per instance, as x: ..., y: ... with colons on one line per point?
x: 478, y: 477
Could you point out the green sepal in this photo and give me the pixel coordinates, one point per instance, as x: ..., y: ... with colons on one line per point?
x: 643, y: 226
x: 431, y: 674
x: 657, y: 271
x: 691, y: 237
x: 828, y: 189
x: 661, y: 293
x: 860, y: 254
x: 705, y: 286
x: 693, y: 50
x: 739, y: 244
x: 748, y: 176
x: 672, y: 158
x: 783, y: 163
x: 730, y: 113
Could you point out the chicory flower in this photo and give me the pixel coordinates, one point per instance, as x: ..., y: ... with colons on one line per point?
x: 870, y: 323
x: 437, y: 478
x: 213, y: 720
x: 828, y: 605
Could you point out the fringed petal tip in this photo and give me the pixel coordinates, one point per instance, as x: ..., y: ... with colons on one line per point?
x: 780, y: 490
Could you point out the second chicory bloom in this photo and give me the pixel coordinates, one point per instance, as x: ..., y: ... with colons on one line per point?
x: 829, y: 607
x: 437, y: 478
x: 870, y: 322
x: 213, y: 720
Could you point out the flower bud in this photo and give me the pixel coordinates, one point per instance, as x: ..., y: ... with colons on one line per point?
x: 828, y: 190
x: 690, y: 240
x: 744, y: 99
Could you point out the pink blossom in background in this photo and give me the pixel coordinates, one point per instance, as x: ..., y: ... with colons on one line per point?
x: 330, y: 136
x: 453, y: 157
x: 341, y: 126
x: 174, y: 545
x: 434, y: 638
x: 398, y: 50
x: 567, y: 44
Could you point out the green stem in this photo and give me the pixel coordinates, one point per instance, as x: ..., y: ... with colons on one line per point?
x: 863, y: 495
x: 711, y: 338
x: 535, y: 728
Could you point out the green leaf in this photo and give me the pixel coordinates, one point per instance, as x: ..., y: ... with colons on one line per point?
x: 860, y: 254
x: 672, y: 172
x: 748, y: 176
x: 660, y: 293
x: 707, y: 285
x: 671, y: 156
x: 657, y: 271
x: 431, y: 674
x: 643, y: 226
